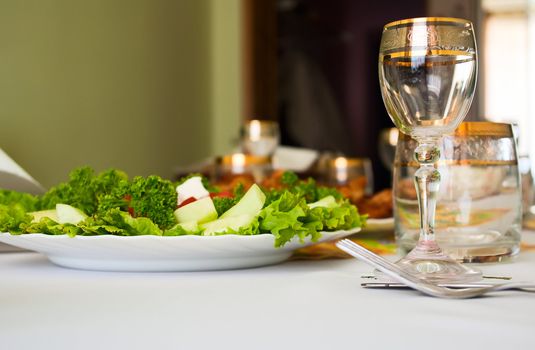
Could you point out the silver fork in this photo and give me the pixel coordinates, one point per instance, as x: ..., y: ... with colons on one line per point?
x: 419, y: 284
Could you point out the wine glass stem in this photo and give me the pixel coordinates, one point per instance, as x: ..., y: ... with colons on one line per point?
x: 427, y: 182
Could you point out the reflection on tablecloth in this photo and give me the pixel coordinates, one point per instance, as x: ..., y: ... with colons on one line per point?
x: 328, y: 250
x: 383, y: 245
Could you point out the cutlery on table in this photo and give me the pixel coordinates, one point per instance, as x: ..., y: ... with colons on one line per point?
x: 398, y: 285
x: 485, y: 277
x: 393, y: 271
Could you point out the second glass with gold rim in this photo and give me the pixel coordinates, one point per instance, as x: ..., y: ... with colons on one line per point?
x: 479, y: 212
x: 427, y: 74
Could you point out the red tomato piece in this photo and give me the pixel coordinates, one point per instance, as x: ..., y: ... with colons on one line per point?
x: 128, y: 198
x: 187, y: 201
x: 224, y: 194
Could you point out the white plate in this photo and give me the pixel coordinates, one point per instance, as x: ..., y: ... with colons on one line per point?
x: 155, y: 253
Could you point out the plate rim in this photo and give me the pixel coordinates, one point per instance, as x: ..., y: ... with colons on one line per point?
x: 382, y: 221
x: 189, y: 252
x: 157, y: 237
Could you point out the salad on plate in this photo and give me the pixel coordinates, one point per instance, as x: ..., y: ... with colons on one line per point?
x: 111, y: 203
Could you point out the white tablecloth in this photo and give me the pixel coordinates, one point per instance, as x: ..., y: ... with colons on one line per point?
x: 295, y: 305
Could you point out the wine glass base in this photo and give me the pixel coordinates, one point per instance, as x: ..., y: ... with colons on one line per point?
x: 427, y: 262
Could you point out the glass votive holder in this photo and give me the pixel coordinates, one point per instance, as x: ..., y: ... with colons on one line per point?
x: 260, y: 137
x: 245, y: 166
x: 478, y: 213
x: 342, y: 171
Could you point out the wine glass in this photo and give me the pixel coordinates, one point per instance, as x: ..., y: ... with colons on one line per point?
x: 427, y: 74
x: 260, y: 137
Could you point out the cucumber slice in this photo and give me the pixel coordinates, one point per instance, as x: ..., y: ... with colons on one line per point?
x: 225, y: 224
x: 38, y: 215
x: 200, y: 211
x: 251, y: 203
x: 69, y: 215
x: 327, y: 202
x: 190, y: 226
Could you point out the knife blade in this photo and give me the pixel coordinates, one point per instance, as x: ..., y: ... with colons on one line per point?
x: 401, y: 285
x: 506, y: 278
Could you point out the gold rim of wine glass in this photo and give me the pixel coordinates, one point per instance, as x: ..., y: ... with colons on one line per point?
x: 425, y: 20
x: 432, y: 46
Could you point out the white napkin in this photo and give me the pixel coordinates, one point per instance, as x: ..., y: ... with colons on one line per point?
x: 294, y: 158
x: 13, y: 177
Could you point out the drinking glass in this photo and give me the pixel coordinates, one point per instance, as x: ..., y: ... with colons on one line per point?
x: 427, y: 74
x: 260, y: 137
x: 477, y: 220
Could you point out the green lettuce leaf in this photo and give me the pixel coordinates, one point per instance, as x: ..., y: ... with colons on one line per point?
x: 252, y: 229
x: 48, y: 226
x: 179, y: 230
x: 308, y: 189
x: 83, y: 190
x: 13, y: 217
x: 116, y: 221
x: 25, y: 200
x: 141, y: 226
x: 96, y: 230
x: 289, y: 216
x: 151, y: 197
x: 344, y: 216
x: 281, y: 218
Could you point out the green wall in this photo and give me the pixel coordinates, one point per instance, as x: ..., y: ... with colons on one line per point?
x: 226, y: 74
x: 111, y: 83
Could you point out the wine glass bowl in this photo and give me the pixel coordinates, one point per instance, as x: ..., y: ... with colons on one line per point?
x: 427, y: 74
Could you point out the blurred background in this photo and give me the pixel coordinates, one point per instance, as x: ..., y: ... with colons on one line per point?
x: 150, y: 85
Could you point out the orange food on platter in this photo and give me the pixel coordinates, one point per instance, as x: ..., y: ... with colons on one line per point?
x: 377, y: 206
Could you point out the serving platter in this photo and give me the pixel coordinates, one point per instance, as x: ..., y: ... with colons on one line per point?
x: 158, y: 254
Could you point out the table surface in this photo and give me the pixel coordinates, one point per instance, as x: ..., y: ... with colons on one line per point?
x: 297, y: 304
